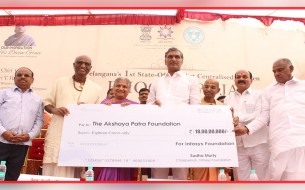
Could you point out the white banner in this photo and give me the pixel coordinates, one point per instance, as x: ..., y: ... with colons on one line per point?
x: 36, y: 178
x: 217, y: 51
x: 148, y: 136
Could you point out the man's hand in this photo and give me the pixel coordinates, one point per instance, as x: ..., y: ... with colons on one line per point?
x: 240, y: 131
x: 232, y: 111
x: 15, y: 138
x: 158, y: 103
x: 22, y: 137
x: 60, y: 111
x: 9, y: 136
x: 235, y: 121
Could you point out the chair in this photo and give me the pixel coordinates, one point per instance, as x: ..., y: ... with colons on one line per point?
x: 33, y: 160
x: 35, y: 156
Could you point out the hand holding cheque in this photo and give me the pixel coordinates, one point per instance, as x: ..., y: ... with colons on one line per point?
x: 148, y: 136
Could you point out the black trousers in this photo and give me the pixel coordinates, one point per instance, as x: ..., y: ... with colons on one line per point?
x: 14, y: 156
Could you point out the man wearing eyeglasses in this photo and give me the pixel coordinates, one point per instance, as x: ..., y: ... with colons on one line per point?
x: 175, y: 88
x: 76, y: 89
x: 21, y: 118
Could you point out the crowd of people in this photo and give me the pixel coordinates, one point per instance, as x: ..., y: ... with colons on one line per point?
x: 269, y: 125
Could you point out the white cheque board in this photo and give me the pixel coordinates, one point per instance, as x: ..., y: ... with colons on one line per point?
x: 148, y: 136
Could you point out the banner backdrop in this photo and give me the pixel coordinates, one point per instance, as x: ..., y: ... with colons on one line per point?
x: 211, y: 50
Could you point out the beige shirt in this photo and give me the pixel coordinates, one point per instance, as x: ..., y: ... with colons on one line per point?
x: 211, y: 173
x: 63, y: 93
x: 216, y: 102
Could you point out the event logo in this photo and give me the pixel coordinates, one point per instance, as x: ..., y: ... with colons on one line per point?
x: 193, y: 35
x: 146, y: 32
x: 165, y: 32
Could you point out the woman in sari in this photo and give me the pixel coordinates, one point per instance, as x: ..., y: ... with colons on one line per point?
x: 120, y: 90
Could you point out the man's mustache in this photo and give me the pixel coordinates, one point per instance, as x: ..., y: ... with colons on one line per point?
x: 241, y: 81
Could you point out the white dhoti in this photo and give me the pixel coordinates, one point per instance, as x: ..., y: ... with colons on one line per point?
x: 288, y: 165
x: 256, y: 158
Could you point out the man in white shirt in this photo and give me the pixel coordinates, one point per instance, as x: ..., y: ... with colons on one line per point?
x: 252, y: 150
x: 283, y: 106
x: 175, y: 88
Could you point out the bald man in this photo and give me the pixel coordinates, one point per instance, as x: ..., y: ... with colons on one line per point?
x: 283, y: 107
x: 252, y: 150
x: 210, y: 88
x: 76, y: 89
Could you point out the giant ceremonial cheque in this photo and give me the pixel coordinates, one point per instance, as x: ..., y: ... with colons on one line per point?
x: 148, y: 136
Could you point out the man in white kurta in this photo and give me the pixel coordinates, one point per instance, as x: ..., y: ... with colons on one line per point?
x: 252, y: 150
x: 75, y: 89
x: 175, y: 88
x: 283, y: 106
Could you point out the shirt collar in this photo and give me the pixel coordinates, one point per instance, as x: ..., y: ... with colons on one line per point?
x: 247, y: 91
x: 207, y: 103
x: 17, y: 88
x: 293, y: 80
x: 178, y: 73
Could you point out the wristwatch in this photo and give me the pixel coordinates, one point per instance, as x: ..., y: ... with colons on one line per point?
x: 247, y: 130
